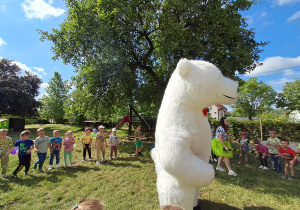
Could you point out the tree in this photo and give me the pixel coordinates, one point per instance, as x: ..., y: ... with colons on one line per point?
x: 136, y: 44
x: 18, y: 90
x: 290, y: 96
x: 53, y: 103
x: 254, y: 98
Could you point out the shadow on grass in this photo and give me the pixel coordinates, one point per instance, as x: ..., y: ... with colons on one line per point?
x: 258, y: 208
x: 119, y: 163
x: 210, y: 205
x: 258, y: 180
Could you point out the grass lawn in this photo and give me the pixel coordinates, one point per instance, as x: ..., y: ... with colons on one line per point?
x: 130, y: 183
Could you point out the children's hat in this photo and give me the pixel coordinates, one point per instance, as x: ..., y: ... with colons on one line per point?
x: 114, y: 129
x: 101, y: 126
x: 243, y: 133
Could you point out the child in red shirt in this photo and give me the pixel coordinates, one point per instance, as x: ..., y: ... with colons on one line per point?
x: 263, y: 153
x: 290, y: 158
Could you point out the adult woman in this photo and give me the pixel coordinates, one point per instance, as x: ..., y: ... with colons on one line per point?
x: 221, y: 146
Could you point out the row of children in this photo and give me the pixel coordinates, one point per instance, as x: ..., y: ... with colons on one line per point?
x: 42, y: 143
x: 274, y: 149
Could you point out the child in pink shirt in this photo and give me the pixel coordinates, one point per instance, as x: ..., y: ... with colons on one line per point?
x: 69, y: 147
x: 263, y: 153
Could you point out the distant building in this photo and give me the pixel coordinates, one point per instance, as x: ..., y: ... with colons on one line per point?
x: 217, y: 111
x: 295, y: 116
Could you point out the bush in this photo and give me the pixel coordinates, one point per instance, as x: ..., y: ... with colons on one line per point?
x: 36, y: 121
x: 287, y: 130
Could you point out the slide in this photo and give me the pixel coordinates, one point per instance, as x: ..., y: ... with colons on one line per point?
x: 125, y: 119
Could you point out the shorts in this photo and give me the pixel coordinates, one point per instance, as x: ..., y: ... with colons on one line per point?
x: 138, y: 143
x: 100, y: 146
x: 288, y: 162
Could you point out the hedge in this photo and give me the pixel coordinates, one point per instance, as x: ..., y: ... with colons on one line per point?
x: 285, y: 129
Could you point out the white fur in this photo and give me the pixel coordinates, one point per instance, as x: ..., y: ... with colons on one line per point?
x: 183, y: 135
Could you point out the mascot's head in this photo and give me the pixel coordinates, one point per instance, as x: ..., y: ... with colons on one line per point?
x: 201, y: 84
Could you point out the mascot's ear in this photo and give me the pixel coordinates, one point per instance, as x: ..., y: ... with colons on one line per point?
x: 183, y: 67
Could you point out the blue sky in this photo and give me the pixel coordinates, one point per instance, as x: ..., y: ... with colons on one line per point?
x: 277, y: 21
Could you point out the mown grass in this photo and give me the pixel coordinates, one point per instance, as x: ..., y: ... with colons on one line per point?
x: 130, y: 182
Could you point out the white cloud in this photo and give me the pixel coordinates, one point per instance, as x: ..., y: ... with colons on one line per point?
x: 40, y: 70
x: 44, y: 85
x: 263, y: 14
x: 41, y: 9
x: 285, y: 2
x: 2, y: 42
x: 280, y: 82
x: 3, y: 8
x: 291, y: 73
x: 24, y: 67
x: 295, y: 16
x: 273, y: 65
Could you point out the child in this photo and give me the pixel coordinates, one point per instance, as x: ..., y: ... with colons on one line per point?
x: 25, y: 146
x: 244, y: 148
x: 69, y: 147
x: 273, y: 144
x: 138, y: 141
x: 41, y: 147
x: 87, y: 140
x: 5, y: 144
x: 290, y: 158
x: 263, y: 153
x: 89, y: 204
x: 55, y: 148
x: 100, y: 144
x: 113, y: 140
x: 213, y: 157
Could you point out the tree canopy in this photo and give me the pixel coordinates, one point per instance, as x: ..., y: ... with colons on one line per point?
x: 254, y: 98
x: 129, y: 49
x: 53, y: 102
x: 18, y: 90
x: 290, y: 96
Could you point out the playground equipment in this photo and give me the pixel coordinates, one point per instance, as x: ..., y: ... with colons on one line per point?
x: 4, y: 123
x: 131, y: 119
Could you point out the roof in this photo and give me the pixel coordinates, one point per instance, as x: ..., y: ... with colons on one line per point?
x: 219, y: 106
x: 2, y: 120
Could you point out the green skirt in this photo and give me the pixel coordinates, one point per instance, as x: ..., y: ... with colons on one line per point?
x: 218, y: 148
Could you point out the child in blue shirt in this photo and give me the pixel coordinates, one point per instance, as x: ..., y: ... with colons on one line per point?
x: 55, y: 147
x: 25, y: 146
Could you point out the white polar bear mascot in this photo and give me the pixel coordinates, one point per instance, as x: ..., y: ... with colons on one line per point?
x: 183, y: 134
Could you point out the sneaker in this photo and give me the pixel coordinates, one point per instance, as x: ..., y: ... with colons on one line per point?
x: 232, y: 173
x: 215, y: 160
x: 13, y: 176
x: 265, y: 168
x: 239, y: 162
x: 246, y: 164
x: 4, y: 176
x: 70, y: 165
x: 261, y: 166
x: 50, y: 167
x: 25, y: 173
x: 116, y: 157
x: 140, y: 154
x: 35, y: 166
x: 219, y: 168
x: 90, y: 159
x: 110, y: 158
x: 41, y: 170
x: 65, y: 166
x: 83, y: 160
x: 57, y: 165
x: 292, y: 178
x: 103, y: 159
x: 285, y: 177
x: 98, y: 162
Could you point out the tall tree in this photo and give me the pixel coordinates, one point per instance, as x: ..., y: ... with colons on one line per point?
x: 290, y: 96
x: 254, y: 98
x: 18, y: 90
x: 53, y: 102
x: 145, y: 39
